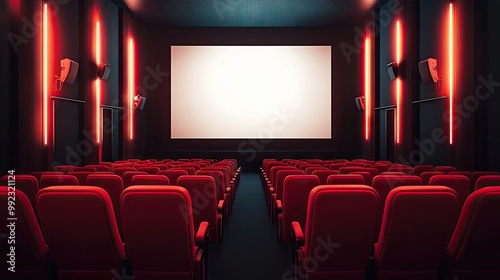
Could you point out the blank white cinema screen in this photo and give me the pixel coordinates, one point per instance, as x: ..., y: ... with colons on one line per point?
x: 241, y: 92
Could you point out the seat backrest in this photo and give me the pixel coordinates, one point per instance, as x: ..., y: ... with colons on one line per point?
x: 64, y: 168
x: 345, y: 179
x: 407, y: 170
x: 86, y: 168
x: 423, y: 168
x: 81, y: 176
x: 149, y: 169
x: 296, y: 189
x: 28, y: 184
x: 168, y: 249
x: 128, y: 175
x: 31, y: 253
x: 487, y: 181
x: 173, y: 174
x: 445, y: 169
x: 160, y: 166
x: 467, y: 174
x: 150, y: 180
x: 120, y: 170
x: 196, y: 166
x: 203, y: 194
x: 80, y: 219
x: 367, y: 176
x: 343, y: 241
x: 38, y: 174
x: 323, y: 175
x: 274, y: 172
x: 189, y: 170
x: 113, y: 185
x: 99, y: 167
x: 459, y: 183
x: 49, y: 180
x: 218, y: 177
x: 337, y: 166
x: 310, y: 170
x: 270, y: 164
x: 427, y: 175
x: 223, y: 169
x: 477, y: 174
x: 475, y: 245
x: 395, y: 173
x: 416, y: 227
x: 280, y: 180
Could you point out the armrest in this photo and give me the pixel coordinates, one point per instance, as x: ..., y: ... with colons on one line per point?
x: 279, y: 206
x: 202, y: 234
x: 228, y: 189
x: 271, y: 189
x: 297, y: 233
x: 220, y: 206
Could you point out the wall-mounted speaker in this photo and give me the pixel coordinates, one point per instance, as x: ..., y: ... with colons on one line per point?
x: 69, y: 70
x: 360, y: 103
x: 392, y: 68
x: 103, y: 72
x: 428, y: 70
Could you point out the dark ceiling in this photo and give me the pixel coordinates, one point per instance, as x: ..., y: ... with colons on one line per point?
x: 247, y: 13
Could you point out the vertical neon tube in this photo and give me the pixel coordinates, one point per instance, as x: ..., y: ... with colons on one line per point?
x: 131, y: 87
x: 45, y: 81
x: 98, y: 83
x: 367, y: 87
x: 451, y: 74
x: 398, y: 82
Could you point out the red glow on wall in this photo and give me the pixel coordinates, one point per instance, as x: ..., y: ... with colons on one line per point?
x: 98, y: 82
x: 45, y: 79
x: 131, y: 86
x: 368, y: 86
x: 451, y: 53
x: 399, y: 87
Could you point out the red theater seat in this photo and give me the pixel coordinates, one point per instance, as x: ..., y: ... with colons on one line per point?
x: 423, y: 168
x: 475, y: 245
x: 323, y: 175
x: 99, y: 168
x: 445, y: 169
x: 367, y: 176
x: 49, y: 180
x: 81, y: 176
x: 120, y: 170
x: 173, y: 174
x: 293, y: 207
x: 336, y: 245
x: 84, y: 169
x: 276, y: 192
x: 337, y: 166
x: 381, y: 168
x: 477, y: 174
x: 427, y: 175
x: 487, y: 181
x: 31, y: 253
x: 38, y: 174
x: 79, y: 225
x: 206, y: 207
x: 459, y: 183
x: 149, y: 169
x: 345, y: 179
x: 416, y: 227
x: 407, y: 170
x: 223, y: 192
x: 393, y: 173
x: 128, y: 175
x: 64, y: 168
x: 189, y: 170
x: 150, y: 180
x: 170, y: 250
x: 28, y: 184
x: 468, y: 174
x: 310, y: 170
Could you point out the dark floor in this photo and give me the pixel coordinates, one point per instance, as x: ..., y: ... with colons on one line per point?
x: 250, y: 249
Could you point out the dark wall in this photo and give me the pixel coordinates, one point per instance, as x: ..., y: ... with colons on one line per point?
x: 153, y: 124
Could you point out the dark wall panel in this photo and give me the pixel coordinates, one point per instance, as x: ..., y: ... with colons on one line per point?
x: 494, y: 100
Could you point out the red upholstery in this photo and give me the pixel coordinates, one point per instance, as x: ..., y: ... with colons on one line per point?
x: 183, y: 160
x: 445, y: 169
x: 84, y: 169
x: 120, y: 170
x: 228, y: 182
x: 48, y: 180
x: 168, y: 251
x: 293, y: 207
x: 28, y: 184
x: 160, y: 166
x: 303, y: 167
x: 381, y: 168
x: 99, y: 168
x: 487, y: 181
x: 395, y: 173
x: 276, y: 192
x: 423, y: 168
x: 150, y: 180
x: 383, y: 184
x: 477, y: 174
x: 407, y: 170
x: 345, y: 179
x: 310, y: 170
x: 167, y: 160
x: 38, y: 174
x: 149, y: 169
x: 468, y: 174
x: 367, y: 176
x: 474, y: 249
x: 202, y: 190
x: 64, y: 168
x: 81, y: 176
x: 416, y: 227
x: 459, y: 183
x: 223, y: 193
x: 336, y: 245
x: 427, y: 175
x: 173, y: 174
x: 80, y: 228
x: 323, y: 175
x: 196, y: 166
x: 189, y: 170
x: 31, y: 252
x: 113, y: 185
x: 128, y: 175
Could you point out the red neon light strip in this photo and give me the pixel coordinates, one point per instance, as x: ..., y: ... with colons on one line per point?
x: 367, y: 87
x: 131, y: 86
x: 451, y: 74
x: 398, y: 82
x: 45, y: 81
x: 98, y: 83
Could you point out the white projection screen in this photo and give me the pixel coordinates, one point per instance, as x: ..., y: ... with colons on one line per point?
x: 242, y: 92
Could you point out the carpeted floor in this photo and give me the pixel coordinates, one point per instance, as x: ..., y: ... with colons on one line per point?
x: 250, y: 249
